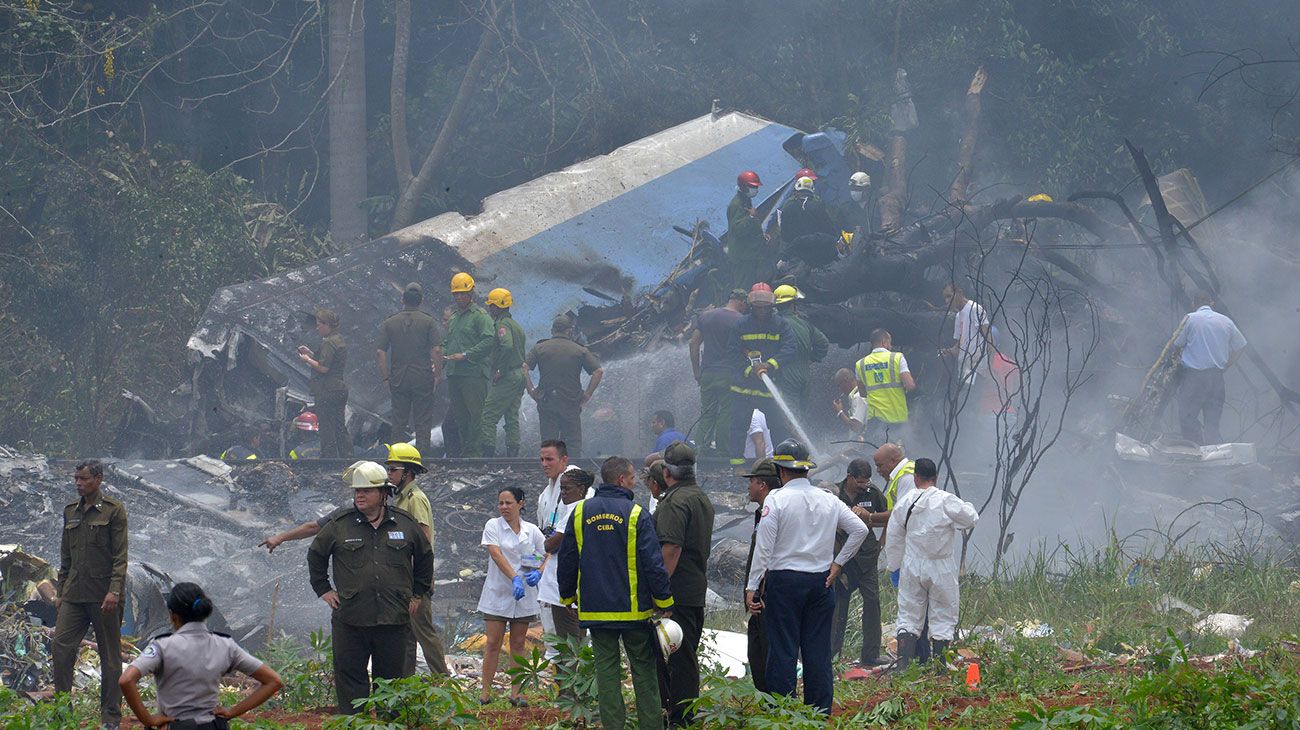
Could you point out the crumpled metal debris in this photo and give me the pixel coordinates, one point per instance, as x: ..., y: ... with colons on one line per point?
x: 24, y: 650
x: 1230, y: 625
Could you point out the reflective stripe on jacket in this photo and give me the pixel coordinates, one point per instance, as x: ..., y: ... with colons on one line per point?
x: 879, y: 379
x: 611, y: 563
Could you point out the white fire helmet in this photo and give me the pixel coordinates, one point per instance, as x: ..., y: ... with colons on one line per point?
x: 669, y: 635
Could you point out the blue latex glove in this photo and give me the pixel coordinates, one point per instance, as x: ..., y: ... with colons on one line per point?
x: 533, y: 577
x: 518, y: 583
x: 893, y: 577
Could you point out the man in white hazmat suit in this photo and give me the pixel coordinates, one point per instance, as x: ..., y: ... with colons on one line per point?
x: 920, y: 545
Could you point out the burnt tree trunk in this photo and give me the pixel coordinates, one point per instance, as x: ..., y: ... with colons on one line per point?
x: 966, y: 153
x: 943, y: 238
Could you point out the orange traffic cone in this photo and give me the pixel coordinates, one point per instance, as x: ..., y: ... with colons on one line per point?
x: 973, y: 675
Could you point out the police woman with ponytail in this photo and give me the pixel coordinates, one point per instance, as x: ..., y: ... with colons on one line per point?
x: 188, y: 666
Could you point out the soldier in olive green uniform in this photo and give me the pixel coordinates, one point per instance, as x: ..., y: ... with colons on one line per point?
x: 383, y: 566
x: 507, y: 388
x: 328, y: 387
x: 466, y: 348
x: 811, y: 346
x: 559, y: 393
x: 92, y: 572
x: 748, y: 250
x: 684, y: 521
x: 408, y: 341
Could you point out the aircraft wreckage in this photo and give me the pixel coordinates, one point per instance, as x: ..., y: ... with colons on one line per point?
x: 631, y: 243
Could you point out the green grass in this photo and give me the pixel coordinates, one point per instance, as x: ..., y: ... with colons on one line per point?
x: 1144, y: 674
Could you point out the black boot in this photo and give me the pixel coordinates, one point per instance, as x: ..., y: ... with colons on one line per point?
x: 906, y: 652
x: 939, y: 648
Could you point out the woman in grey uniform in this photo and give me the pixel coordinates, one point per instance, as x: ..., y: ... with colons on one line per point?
x: 188, y: 666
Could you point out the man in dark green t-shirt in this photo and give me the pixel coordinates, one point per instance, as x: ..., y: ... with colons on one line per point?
x: 684, y: 521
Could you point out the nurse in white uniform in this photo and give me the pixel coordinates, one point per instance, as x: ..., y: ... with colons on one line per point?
x: 516, y: 551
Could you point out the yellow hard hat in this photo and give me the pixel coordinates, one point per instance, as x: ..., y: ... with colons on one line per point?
x: 499, y: 297
x: 365, y: 475
x: 404, y: 453
x: 1040, y: 198
x: 462, y: 282
x: 786, y: 293
x: 847, y: 237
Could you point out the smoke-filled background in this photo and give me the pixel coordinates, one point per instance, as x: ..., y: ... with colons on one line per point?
x: 153, y: 154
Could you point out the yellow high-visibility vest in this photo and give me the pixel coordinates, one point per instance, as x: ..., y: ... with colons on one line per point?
x: 879, y: 379
x: 891, y: 491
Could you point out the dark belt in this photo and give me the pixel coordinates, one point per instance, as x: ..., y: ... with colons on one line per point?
x: 219, y: 723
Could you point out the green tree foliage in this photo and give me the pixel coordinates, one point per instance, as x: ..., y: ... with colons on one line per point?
x: 100, y: 296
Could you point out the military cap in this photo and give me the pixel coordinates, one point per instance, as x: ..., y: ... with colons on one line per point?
x: 679, y: 453
x: 762, y: 468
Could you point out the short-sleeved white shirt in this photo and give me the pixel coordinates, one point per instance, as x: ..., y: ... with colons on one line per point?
x: 758, y: 424
x: 552, y: 511
x: 498, y: 596
x: 858, y: 408
x: 548, y: 591
x: 1208, y: 340
x: 966, y: 331
x: 189, y: 665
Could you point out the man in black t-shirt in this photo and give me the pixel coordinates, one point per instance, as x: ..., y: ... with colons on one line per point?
x: 860, y: 574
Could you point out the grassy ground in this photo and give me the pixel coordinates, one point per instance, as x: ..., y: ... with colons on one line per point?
x: 1116, y: 656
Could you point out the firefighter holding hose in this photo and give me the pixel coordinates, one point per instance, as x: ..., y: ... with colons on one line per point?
x: 763, y: 340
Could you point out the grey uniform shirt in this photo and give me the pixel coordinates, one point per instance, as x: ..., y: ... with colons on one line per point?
x: 188, y: 666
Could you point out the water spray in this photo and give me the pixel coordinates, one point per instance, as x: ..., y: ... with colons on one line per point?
x: 789, y: 414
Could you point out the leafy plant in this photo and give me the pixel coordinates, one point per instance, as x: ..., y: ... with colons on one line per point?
x: 307, y: 671
x: 411, y: 703
x: 575, y: 680
x: 64, y: 710
x: 529, y: 671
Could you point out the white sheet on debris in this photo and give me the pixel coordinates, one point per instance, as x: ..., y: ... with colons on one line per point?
x: 728, y: 648
x: 1184, y: 452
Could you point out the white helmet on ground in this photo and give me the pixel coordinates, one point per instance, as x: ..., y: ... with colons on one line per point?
x: 669, y: 635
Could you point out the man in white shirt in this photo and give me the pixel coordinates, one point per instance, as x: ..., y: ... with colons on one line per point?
x: 551, y: 516
x: 1210, y: 343
x: 850, y: 407
x: 759, y: 444
x: 795, y: 560
x: 971, y: 331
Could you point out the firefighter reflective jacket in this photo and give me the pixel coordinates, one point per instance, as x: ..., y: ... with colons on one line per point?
x: 611, y: 564
x: 772, y: 342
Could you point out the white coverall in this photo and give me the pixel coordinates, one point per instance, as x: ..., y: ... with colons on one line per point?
x: 923, y: 547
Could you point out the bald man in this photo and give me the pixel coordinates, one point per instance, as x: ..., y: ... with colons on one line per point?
x: 898, y: 469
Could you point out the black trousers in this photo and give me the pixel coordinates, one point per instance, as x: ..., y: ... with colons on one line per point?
x: 383, y: 647
x: 865, y: 581
x: 684, y: 665
x: 1200, y: 400
x: 756, y: 632
x: 799, y: 610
